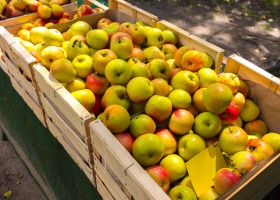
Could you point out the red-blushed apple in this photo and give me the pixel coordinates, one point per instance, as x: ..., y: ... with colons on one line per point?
x: 97, y: 39
x: 118, y: 71
x: 179, y: 54
x: 62, y: 70
x: 158, y: 107
x: 97, y: 10
x: 115, y: 94
x: 83, y: 65
x: 273, y: 139
x: 233, y: 139
x: 239, y: 99
x: 116, y: 118
x: 169, y: 140
x: 80, y: 38
x: 231, y: 80
x: 76, y: 84
x: 180, y: 99
x: 97, y: 108
x: 197, y: 100
x: 180, y: 121
x: 137, y: 33
x: 169, y: 37
x: 152, y: 53
x: 147, y: 149
x: 140, y: 89
x: 206, y: 76
x: 160, y: 176
x: 217, y: 97
x: 97, y: 83
x: 138, y: 53
x: 27, y: 26
x: 250, y: 111
x: 57, y: 10
x: 103, y: 22
x: 256, y: 126
x: 67, y: 15
x: 190, y: 145
x: 182, y: 192
x: 141, y: 70
x: 40, y: 22
x: 192, y: 60
x: 161, y: 86
x: 85, y: 97
x: 84, y: 10
x: 32, y: 5
x: 244, y: 88
x: 125, y: 27
x: 175, y: 166
x: 209, y: 194
x: 101, y: 58
x: 230, y: 114
x: 225, y: 178
x: 141, y: 124
x: 185, y: 80
x: 126, y: 140
x: 154, y: 37
x: 260, y: 149
x: 169, y: 50
x: 44, y: 11
x: 207, y: 125
x: 243, y: 160
x: 121, y: 43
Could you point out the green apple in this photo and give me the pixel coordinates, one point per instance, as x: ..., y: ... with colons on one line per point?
x: 180, y: 99
x: 185, y: 80
x: 97, y: 39
x: 76, y: 84
x: 273, y: 139
x: 154, y: 37
x: 101, y: 58
x: 141, y: 124
x: 76, y: 48
x: 140, y: 69
x: 250, y: 111
x: 169, y: 140
x: 206, y: 76
x: 159, y: 68
x: 180, y: 121
x: 231, y: 80
x: 169, y: 50
x: 80, y: 28
x: 37, y: 34
x: 243, y: 160
x: 103, y: 22
x: 83, y: 65
x: 182, y: 192
x: 115, y: 94
x: 256, y: 126
x: 121, y: 44
x: 53, y: 37
x: 50, y: 54
x: 175, y: 166
x: 158, y: 107
x: 207, y: 125
x: 217, y: 97
x: 97, y: 83
x: 116, y: 118
x: 239, y: 99
x: 62, y: 70
x: 85, y: 97
x: 170, y: 37
x: 197, y: 100
x: 152, y: 53
x: 147, y: 149
x: 139, y: 89
x: 190, y: 145
x: 161, y: 86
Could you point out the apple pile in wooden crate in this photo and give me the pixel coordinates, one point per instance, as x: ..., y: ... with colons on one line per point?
x: 163, y: 101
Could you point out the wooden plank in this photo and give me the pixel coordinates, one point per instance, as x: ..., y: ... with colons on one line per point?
x: 102, y: 190
x: 3, y: 65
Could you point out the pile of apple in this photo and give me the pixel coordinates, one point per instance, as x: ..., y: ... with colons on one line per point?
x: 162, y: 101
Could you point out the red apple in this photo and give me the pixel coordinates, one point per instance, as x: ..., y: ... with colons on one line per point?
x: 32, y: 5
x: 97, y: 108
x: 260, y: 149
x: 243, y: 160
x: 103, y: 22
x: 230, y: 114
x: 84, y: 10
x: 126, y: 140
x: 97, y: 83
x: 160, y: 176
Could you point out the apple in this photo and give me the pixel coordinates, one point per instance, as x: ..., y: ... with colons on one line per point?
x: 63, y: 70
x: 206, y: 76
x: 103, y: 22
x: 224, y: 179
x: 161, y: 86
x: 159, y: 68
x: 256, y: 126
x: 180, y: 99
x: 24, y: 34
x: 27, y: 25
x: 32, y: 5
x: 97, y: 39
x: 231, y: 80
x: 233, y: 139
x: 76, y: 48
x: 154, y: 37
x: 101, y: 58
x: 230, y: 114
x: 197, y: 100
x: 244, y: 88
x: 192, y: 60
x: 141, y: 124
x: 160, y: 176
x: 67, y: 15
x: 80, y: 28
x: 207, y: 125
x: 209, y: 194
x: 80, y: 38
x: 85, y: 97
x: 121, y: 44
x: 169, y: 37
x: 179, y: 54
x: 182, y: 192
x: 158, y: 107
x: 84, y: 10
x: 140, y: 69
x: 76, y: 84
x: 152, y: 53
x: 83, y: 65
x: 260, y: 149
x: 97, y: 10
x: 185, y: 80
x: 136, y: 108
x: 243, y: 160
x: 180, y: 121
x: 186, y: 180
x: 57, y: 11
x: 169, y: 140
x: 126, y: 140
x: 53, y: 37
x: 239, y: 99
x: 133, y: 61
x: 250, y: 111
x: 115, y: 94
x: 148, y: 149
x: 44, y: 11
x: 37, y: 34
x: 116, y: 118
x: 140, y: 89
x: 18, y: 4
x: 125, y: 27
x: 137, y: 33
x: 40, y: 22
x: 97, y: 83
x: 118, y: 71
x: 28, y: 45
x: 175, y: 166
x: 169, y: 50
x: 273, y: 139
x: 50, y: 54
x: 138, y: 53
x: 217, y: 97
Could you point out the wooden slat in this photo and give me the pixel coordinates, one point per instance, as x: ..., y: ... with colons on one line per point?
x: 3, y: 65
x: 102, y: 190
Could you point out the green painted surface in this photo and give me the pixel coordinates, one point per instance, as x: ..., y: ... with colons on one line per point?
x: 59, y: 172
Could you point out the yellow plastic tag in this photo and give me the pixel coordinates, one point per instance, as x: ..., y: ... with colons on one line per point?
x: 203, y: 167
